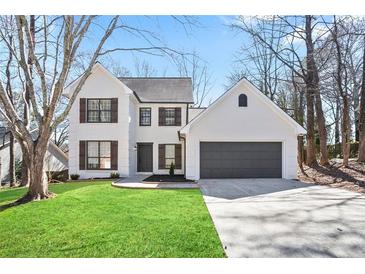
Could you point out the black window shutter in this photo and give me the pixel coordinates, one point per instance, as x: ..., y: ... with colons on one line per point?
x: 178, y: 156
x: 161, y: 116
x: 161, y: 156
x: 114, y: 110
x: 82, y: 155
x: 177, y: 116
x: 82, y: 110
x: 114, y: 155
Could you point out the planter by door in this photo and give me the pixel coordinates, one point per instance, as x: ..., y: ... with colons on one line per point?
x: 144, y: 157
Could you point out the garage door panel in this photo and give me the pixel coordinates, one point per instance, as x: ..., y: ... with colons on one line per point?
x: 240, y: 160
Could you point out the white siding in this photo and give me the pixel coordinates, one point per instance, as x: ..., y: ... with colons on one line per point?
x: 100, y: 85
x: 193, y: 112
x: 160, y: 134
x: 127, y: 131
x: 256, y: 123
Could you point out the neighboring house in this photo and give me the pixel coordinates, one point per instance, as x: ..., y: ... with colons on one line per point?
x: 56, y: 159
x: 142, y: 125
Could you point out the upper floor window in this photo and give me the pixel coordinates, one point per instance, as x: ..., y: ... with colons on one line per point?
x: 242, y: 100
x: 145, y: 116
x: 99, y: 110
x: 169, y: 117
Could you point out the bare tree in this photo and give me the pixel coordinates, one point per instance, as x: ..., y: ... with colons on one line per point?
x: 362, y: 113
x: 143, y: 68
x: 72, y: 31
x: 288, y: 30
x: 60, y: 135
x: 197, y: 69
x: 9, y: 27
x: 258, y: 63
x: 53, y: 59
x: 341, y: 50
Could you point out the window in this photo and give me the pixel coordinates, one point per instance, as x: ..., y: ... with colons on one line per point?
x: 242, y: 100
x: 145, y: 116
x: 99, y: 110
x: 169, y: 116
x: 98, y: 155
x: 169, y: 155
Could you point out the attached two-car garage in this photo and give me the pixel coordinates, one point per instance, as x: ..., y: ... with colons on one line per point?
x: 240, y: 159
x: 243, y: 134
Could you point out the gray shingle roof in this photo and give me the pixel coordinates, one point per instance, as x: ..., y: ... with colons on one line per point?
x: 161, y: 89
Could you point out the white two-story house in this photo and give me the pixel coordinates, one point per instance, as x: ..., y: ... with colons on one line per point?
x: 142, y: 125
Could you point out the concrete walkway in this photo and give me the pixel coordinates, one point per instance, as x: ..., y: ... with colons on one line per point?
x: 283, y: 218
x: 137, y: 182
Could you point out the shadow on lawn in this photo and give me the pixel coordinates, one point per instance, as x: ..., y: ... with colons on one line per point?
x: 12, y: 195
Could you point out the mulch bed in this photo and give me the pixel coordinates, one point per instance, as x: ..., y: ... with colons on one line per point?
x: 336, y: 175
x: 168, y: 178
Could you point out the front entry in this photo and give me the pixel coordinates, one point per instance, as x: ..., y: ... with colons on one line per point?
x: 144, y: 157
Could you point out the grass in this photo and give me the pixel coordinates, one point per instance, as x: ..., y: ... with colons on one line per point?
x: 97, y: 220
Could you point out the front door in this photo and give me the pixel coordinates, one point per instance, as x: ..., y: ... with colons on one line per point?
x: 144, y: 157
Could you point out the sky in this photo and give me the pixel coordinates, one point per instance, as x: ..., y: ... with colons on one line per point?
x: 211, y: 39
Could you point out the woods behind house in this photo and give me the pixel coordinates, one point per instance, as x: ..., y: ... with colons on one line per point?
x: 313, y: 68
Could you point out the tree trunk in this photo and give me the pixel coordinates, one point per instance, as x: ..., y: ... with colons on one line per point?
x: 362, y: 114
x: 311, y: 145
x: 25, y: 174
x: 38, y: 187
x: 346, y: 127
x: 25, y: 180
x: 346, y: 132
x: 25, y: 169
x: 321, y: 128
x: 9, y: 91
x: 356, y: 105
x: 12, y: 160
x: 299, y: 117
x: 313, y: 86
x: 337, y: 128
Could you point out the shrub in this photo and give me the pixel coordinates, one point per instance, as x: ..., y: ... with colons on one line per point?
x: 172, y: 169
x: 58, y: 176
x: 114, y: 175
x: 75, y: 176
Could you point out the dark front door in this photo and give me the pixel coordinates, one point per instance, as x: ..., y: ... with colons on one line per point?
x: 240, y: 159
x: 144, y: 157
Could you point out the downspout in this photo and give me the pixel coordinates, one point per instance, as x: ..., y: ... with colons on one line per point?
x: 184, y: 156
x: 187, y: 114
x: 180, y: 137
x: 184, y: 153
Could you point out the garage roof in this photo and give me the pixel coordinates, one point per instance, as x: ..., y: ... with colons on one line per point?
x: 299, y: 130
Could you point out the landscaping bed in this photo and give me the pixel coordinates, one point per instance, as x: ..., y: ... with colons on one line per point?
x: 168, y: 179
x: 336, y: 175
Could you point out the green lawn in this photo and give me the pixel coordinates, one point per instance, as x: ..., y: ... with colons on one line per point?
x: 98, y: 220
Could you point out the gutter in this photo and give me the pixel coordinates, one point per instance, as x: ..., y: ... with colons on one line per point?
x: 184, y: 140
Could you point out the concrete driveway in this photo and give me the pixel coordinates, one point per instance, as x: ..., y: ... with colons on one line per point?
x: 284, y: 218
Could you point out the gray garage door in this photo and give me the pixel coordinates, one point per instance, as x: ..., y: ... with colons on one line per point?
x: 240, y: 160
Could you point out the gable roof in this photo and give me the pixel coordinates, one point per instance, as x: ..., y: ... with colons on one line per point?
x: 147, y: 89
x: 97, y: 67
x: 161, y: 89
x: 299, y: 130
